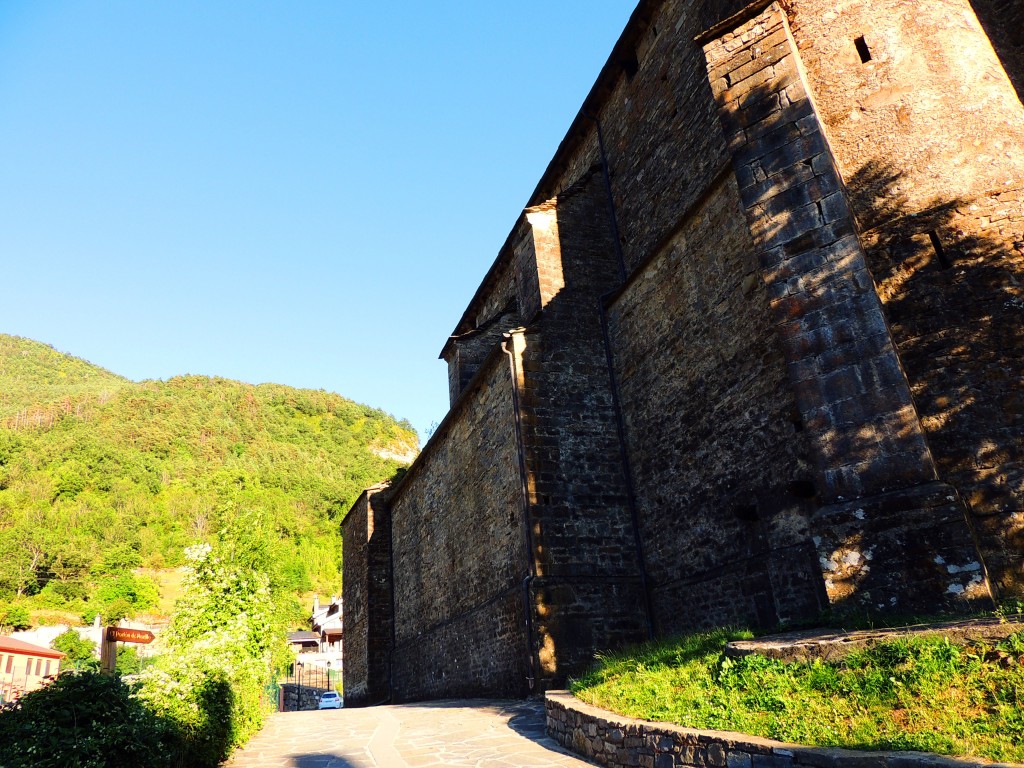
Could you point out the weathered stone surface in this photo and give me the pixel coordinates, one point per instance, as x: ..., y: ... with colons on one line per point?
x: 458, y: 608
x: 366, y: 596
x: 752, y: 349
x: 711, y: 428
x: 937, y: 190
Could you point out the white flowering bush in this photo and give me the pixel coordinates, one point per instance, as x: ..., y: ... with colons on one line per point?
x: 225, y: 638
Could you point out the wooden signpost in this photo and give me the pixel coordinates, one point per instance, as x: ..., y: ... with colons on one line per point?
x: 114, y: 635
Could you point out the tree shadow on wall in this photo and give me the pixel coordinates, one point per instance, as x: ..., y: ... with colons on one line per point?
x: 951, y: 280
x: 950, y: 276
x: 329, y: 760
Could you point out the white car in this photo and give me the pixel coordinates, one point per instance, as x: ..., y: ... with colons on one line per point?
x: 330, y: 700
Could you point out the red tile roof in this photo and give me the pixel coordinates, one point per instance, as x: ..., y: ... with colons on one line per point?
x: 10, y: 645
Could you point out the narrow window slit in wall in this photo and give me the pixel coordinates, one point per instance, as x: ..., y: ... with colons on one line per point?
x: 746, y: 512
x: 863, y: 50
x: 796, y: 420
x: 940, y: 252
x: 631, y: 65
x: 802, y: 489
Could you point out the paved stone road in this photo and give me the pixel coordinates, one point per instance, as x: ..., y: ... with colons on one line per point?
x: 475, y: 734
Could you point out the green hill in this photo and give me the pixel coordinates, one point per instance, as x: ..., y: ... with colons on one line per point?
x: 102, y: 478
x: 36, y: 380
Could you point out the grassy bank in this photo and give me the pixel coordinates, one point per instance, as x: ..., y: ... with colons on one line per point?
x: 923, y: 694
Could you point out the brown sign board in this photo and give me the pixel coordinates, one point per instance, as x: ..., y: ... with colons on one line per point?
x: 125, y: 635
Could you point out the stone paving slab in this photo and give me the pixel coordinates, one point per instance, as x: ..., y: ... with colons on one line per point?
x: 467, y: 733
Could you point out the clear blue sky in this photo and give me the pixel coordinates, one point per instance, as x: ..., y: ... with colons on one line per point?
x: 299, y: 192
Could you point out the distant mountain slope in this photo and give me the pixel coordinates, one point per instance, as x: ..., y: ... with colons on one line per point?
x: 113, y: 476
x: 34, y: 377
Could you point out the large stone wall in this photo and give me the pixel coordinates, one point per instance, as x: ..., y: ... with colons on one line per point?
x: 366, y: 593
x: 751, y: 352
x: 659, y: 125
x: 888, y: 536
x: 720, y: 464
x: 459, y: 553
x: 936, y: 189
x: 587, y: 591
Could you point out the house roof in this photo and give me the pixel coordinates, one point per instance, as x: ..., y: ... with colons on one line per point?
x: 303, y: 636
x: 10, y: 645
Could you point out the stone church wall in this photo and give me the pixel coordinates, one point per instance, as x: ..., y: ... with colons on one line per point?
x: 459, y: 553
x: 587, y: 589
x: 715, y: 447
x: 366, y: 596
x: 927, y: 134
x: 752, y: 352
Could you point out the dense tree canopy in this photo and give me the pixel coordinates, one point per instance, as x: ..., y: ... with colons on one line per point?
x: 104, y: 482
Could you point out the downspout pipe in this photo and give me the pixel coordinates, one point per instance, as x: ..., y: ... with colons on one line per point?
x: 531, y: 571
x: 602, y: 306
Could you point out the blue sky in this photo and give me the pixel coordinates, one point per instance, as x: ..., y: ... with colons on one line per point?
x: 305, y: 192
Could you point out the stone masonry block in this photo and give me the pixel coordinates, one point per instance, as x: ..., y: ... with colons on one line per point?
x: 795, y: 152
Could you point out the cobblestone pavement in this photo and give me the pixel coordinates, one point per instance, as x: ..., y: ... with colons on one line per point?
x: 472, y: 733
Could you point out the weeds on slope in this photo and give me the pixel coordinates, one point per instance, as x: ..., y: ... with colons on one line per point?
x: 904, y: 694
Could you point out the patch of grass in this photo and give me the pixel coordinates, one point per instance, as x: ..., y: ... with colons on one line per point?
x: 907, y: 694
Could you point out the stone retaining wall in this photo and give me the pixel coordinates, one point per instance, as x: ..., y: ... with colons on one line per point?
x: 296, y: 698
x: 612, y: 740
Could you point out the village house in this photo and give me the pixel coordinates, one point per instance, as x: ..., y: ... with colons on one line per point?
x: 25, y: 667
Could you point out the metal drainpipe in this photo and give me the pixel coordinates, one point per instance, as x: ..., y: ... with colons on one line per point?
x: 616, y: 399
x: 531, y: 677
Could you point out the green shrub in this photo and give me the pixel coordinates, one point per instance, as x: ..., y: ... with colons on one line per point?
x: 57, y: 594
x: 79, y: 653
x: 14, y: 618
x: 128, y: 661
x: 83, y: 720
x: 225, y: 638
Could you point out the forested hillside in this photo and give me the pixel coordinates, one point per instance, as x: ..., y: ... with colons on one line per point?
x: 104, y: 482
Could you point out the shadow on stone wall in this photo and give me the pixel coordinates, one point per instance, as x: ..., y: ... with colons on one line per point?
x: 951, y: 280
x: 1003, y: 21
x: 950, y: 277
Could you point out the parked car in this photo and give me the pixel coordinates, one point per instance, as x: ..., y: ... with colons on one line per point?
x: 330, y: 700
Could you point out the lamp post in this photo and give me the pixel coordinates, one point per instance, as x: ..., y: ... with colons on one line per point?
x: 298, y: 695
x: 329, y: 677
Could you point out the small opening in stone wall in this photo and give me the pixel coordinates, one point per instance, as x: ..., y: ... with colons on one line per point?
x: 802, y: 489
x: 796, y: 420
x: 631, y: 65
x: 940, y: 252
x: 862, y: 49
x: 747, y: 512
